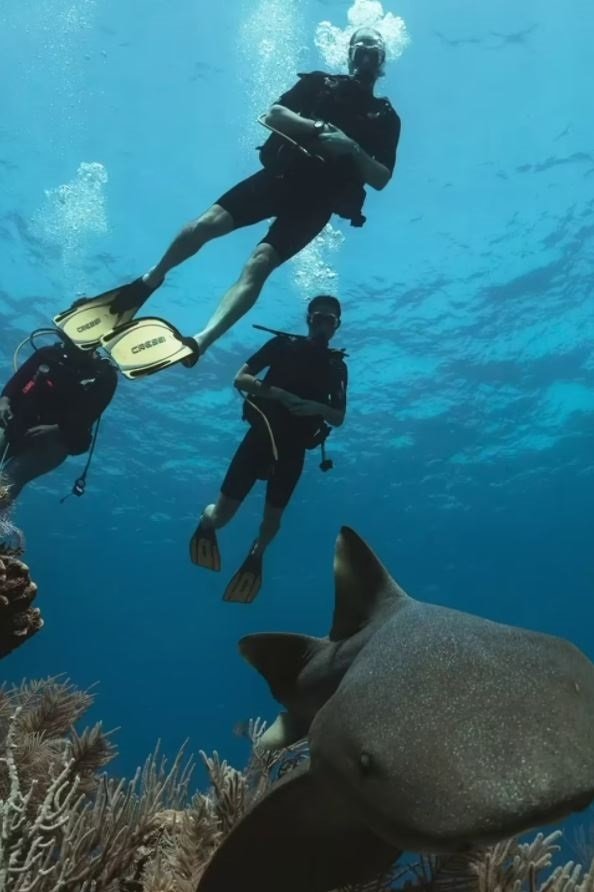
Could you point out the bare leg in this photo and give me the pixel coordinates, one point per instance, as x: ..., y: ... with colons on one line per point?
x: 241, y: 297
x: 216, y: 221
x: 219, y: 514
x: 268, y: 529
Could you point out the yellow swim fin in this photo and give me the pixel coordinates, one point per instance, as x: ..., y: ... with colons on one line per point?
x: 247, y: 582
x: 145, y: 346
x: 91, y: 318
x: 204, y: 548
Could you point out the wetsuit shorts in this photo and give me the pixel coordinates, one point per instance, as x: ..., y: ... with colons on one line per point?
x: 253, y: 461
x: 299, y: 206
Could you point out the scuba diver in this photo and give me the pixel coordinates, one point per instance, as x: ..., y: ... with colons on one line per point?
x: 331, y: 136
x: 289, y: 411
x: 48, y: 409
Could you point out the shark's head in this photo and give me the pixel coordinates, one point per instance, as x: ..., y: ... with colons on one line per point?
x: 351, y: 736
x: 434, y: 735
x: 304, y: 672
x: 425, y: 728
x: 352, y: 745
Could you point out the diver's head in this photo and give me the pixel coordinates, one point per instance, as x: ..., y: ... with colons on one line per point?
x: 367, y: 55
x: 77, y: 356
x: 323, y: 317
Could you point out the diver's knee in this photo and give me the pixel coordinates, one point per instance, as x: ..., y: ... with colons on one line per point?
x: 260, y: 264
x: 212, y: 223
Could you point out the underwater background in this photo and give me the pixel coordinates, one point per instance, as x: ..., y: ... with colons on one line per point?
x: 466, y: 457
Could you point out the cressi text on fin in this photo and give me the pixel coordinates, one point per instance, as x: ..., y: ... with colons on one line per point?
x: 148, y: 345
x: 89, y: 319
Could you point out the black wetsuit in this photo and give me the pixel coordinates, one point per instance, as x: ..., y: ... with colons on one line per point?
x: 302, y: 193
x: 307, y: 369
x: 52, y: 388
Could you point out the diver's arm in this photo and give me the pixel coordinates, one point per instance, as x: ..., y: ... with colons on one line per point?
x: 333, y: 416
x: 290, y: 123
x: 306, y: 408
x: 371, y: 171
x: 248, y: 383
x: 301, y: 129
x: 334, y: 143
x: 5, y: 411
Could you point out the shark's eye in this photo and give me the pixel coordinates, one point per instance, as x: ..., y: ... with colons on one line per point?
x: 365, y: 762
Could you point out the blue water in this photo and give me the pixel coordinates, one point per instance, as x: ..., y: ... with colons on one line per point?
x: 466, y: 458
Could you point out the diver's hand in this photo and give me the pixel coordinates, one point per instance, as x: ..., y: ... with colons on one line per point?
x: 5, y: 411
x: 335, y: 143
x: 41, y: 430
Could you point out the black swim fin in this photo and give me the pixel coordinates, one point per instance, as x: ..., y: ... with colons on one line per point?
x: 247, y: 582
x: 204, y: 549
x: 89, y: 319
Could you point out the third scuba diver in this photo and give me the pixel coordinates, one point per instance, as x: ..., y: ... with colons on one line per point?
x: 48, y: 409
x: 331, y: 137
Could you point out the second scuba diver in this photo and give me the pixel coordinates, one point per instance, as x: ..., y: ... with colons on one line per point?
x: 289, y: 410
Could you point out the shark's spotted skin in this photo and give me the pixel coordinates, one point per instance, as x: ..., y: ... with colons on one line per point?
x: 430, y: 730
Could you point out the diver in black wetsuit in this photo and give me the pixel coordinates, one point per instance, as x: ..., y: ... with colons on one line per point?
x: 47, y: 412
x: 303, y: 391
x: 351, y: 136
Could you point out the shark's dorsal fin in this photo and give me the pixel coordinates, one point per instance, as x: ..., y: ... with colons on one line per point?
x: 280, y: 658
x: 362, y: 585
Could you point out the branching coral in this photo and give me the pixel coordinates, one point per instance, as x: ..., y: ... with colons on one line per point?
x: 509, y: 866
x: 65, y: 826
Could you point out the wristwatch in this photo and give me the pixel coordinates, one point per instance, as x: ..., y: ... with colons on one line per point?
x: 319, y: 127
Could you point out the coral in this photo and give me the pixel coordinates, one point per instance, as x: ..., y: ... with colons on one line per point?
x: 19, y: 621
x: 509, y: 866
x: 65, y: 826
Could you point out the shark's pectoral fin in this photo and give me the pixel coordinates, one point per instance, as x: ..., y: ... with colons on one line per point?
x: 280, y: 658
x: 298, y: 839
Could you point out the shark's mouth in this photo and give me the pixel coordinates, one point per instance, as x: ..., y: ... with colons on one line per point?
x: 337, y: 780
x: 359, y: 798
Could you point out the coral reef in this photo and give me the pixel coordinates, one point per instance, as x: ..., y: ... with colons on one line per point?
x: 19, y: 621
x: 66, y: 826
